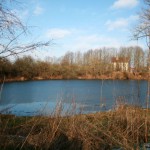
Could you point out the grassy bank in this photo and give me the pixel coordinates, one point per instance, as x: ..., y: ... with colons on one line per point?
x: 126, y: 127
x: 112, y: 76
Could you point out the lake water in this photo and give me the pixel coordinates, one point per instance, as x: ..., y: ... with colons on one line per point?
x: 71, y: 96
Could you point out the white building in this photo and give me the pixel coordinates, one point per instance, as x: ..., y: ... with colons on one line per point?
x: 120, y: 63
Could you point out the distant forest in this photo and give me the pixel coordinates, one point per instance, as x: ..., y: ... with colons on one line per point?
x: 90, y: 64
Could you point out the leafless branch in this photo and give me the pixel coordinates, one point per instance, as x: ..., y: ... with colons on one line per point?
x: 11, y: 31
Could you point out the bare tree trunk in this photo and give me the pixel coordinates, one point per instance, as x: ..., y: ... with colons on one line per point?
x: 1, y: 88
x: 148, y: 96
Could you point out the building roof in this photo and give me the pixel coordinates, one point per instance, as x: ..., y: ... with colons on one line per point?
x: 120, y: 59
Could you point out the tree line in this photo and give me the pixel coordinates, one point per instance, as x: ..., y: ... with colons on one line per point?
x: 93, y: 63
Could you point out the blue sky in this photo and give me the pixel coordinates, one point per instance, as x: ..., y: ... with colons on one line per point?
x: 80, y: 25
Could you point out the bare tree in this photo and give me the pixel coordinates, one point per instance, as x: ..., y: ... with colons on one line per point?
x: 142, y: 30
x: 11, y: 31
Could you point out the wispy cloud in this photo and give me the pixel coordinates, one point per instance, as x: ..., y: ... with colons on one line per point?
x: 96, y: 41
x: 22, y: 14
x: 25, y: 13
x: 119, y: 4
x: 38, y: 10
x: 93, y: 41
x: 57, y: 33
x: 121, y: 23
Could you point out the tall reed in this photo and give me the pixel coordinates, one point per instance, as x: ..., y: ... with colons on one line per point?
x: 123, y: 127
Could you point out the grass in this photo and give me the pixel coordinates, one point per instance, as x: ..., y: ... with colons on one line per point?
x: 124, y: 128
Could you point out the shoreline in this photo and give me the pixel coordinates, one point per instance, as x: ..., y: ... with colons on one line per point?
x: 22, y: 79
x: 44, y: 79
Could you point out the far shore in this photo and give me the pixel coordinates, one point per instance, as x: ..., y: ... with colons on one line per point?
x: 113, y: 76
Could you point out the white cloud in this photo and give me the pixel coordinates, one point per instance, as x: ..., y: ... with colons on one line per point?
x: 57, y: 33
x: 118, y: 4
x: 81, y: 41
x: 121, y: 23
x: 94, y: 41
x: 112, y: 25
x: 38, y: 10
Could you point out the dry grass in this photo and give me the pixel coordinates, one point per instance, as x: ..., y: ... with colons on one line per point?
x: 121, y: 128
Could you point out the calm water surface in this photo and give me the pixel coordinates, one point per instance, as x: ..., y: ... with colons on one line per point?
x: 78, y: 96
